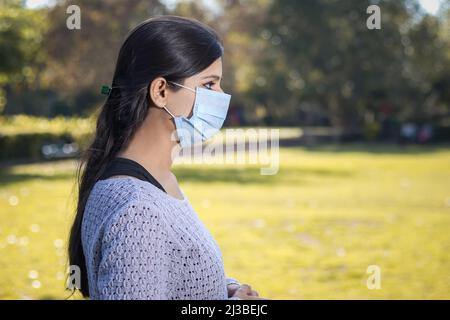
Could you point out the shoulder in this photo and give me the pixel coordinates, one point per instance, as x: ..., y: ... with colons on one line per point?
x: 116, y: 192
x: 120, y: 203
x: 136, y: 219
x: 120, y: 188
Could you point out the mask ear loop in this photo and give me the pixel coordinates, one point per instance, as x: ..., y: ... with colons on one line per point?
x: 173, y: 117
x: 180, y: 85
x: 167, y: 110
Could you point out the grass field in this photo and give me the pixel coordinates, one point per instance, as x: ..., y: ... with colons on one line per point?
x: 309, y: 232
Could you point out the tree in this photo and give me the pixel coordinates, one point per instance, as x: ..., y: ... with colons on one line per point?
x: 21, y: 54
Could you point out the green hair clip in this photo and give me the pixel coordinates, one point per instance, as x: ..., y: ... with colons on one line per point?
x: 105, y: 90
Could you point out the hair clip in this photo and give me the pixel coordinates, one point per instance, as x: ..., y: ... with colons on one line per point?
x: 106, y: 90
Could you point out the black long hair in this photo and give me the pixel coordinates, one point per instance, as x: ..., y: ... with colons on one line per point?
x: 172, y: 47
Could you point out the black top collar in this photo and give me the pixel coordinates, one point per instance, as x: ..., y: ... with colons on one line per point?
x: 128, y: 167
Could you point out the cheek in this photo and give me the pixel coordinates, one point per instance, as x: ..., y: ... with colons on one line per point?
x: 182, y: 104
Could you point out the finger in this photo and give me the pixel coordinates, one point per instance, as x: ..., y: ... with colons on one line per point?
x: 245, y: 289
x: 243, y: 292
x: 254, y: 293
x: 232, y: 287
x: 246, y: 286
x: 253, y: 298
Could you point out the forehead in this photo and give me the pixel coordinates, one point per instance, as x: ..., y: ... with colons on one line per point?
x: 214, y: 69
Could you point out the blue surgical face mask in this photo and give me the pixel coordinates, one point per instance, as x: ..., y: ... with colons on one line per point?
x: 209, y: 113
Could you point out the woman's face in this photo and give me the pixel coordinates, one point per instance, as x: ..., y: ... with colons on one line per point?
x: 181, y: 102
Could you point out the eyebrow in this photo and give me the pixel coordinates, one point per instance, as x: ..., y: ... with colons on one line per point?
x: 215, y: 76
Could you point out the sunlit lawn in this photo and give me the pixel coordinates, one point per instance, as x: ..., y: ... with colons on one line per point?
x: 308, y: 232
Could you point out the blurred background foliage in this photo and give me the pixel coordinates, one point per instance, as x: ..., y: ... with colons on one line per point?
x: 287, y: 62
x: 302, y: 63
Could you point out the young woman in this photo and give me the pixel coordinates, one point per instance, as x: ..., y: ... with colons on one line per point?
x: 135, y: 235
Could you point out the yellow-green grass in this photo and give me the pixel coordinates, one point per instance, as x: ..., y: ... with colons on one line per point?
x: 308, y: 232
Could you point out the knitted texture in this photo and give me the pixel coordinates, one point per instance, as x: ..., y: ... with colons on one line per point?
x: 141, y: 243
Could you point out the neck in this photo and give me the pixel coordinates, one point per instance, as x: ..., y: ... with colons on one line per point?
x: 152, y: 146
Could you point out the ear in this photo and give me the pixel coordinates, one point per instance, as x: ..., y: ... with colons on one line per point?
x: 158, y: 92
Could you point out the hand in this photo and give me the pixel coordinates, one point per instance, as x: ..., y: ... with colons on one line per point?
x: 232, y: 289
x: 245, y: 292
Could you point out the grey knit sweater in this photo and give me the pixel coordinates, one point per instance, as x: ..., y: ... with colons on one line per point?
x: 141, y: 243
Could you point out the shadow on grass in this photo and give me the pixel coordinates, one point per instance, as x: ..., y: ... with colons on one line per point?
x: 7, y: 177
x: 203, y: 175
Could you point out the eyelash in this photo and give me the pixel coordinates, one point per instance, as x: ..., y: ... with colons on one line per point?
x: 209, y: 83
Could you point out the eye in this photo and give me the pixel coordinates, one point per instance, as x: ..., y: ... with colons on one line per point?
x: 209, y: 85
